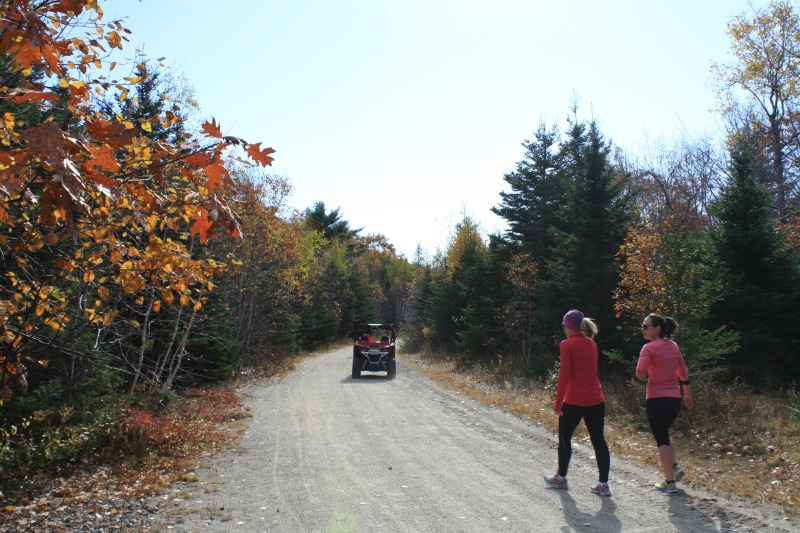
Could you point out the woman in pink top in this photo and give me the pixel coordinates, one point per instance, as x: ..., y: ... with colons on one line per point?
x: 662, y: 364
x: 580, y: 397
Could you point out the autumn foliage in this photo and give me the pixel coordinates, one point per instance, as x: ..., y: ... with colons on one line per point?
x: 95, y: 212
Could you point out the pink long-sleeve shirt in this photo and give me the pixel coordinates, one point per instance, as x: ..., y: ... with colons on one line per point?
x: 662, y: 361
x: 577, y: 377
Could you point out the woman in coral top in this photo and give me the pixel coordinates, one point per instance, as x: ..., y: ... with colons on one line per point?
x: 661, y: 363
x: 579, y: 396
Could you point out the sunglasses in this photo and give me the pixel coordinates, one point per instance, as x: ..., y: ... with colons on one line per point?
x: 645, y: 326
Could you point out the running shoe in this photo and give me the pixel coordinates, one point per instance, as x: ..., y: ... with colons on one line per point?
x: 666, y: 486
x: 602, y: 489
x: 679, y: 473
x: 556, y: 482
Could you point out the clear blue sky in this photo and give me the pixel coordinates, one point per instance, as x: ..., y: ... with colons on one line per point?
x: 405, y: 114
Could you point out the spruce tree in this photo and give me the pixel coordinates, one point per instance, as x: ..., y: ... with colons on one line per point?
x: 580, y: 268
x: 537, y: 194
x: 756, y: 282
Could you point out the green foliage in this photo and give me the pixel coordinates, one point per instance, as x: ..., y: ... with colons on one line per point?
x: 212, y: 345
x: 330, y: 224
x: 620, y: 361
x: 535, y: 201
x: 794, y: 403
x: 705, y: 351
x: 757, y: 283
x: 50, y: 438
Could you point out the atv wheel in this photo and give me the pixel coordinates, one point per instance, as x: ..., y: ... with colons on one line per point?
x: 391, y: 369
x: 356, y: 367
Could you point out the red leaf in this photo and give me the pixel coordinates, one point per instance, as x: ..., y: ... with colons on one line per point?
x: 202, y: 225
x: 198, y: 159
x: 113, y: 133
x: 70, y: 6
x: 102, y: 159
x: 44, y: 140
x: 20, y: 96
x: 212, y: 129
x: 216, y: 174
x: 260, y: 156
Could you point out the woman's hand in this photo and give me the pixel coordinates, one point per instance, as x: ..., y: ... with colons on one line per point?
x: 559, y: 412
x: 688, y: 401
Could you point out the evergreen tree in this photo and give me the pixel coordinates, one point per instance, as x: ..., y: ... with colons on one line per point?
x: 418, y: 329
x: 331, y: 224
x: 537, y: 194
x: 756, y: 283
x: 580, y: 271
x: 151, y: 98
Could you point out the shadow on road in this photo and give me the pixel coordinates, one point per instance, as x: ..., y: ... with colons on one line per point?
x: 368, y: 379
x: 685, y: 517
x: 604, y: 520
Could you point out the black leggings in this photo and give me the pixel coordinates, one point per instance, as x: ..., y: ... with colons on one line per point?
x: 661, y: 413
x: 594, y: 418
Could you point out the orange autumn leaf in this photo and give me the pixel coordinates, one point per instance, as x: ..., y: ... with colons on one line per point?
x: 260, y: 156
x: 212, y: 129
x: 21, y: 96
x: 202, y: 225
x: 217, y: 175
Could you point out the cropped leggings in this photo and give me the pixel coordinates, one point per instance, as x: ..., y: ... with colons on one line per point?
x: 661, y: 413
x: 594, y: 418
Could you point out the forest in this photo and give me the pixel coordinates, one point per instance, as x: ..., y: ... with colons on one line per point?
x: 144, y: 253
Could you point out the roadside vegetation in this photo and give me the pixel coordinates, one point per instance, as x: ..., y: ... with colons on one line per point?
x: 147, y: 260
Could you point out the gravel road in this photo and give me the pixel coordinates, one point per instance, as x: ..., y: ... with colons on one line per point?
x: 327, y: 453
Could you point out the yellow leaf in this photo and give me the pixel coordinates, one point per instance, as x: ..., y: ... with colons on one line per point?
x: 63, y: 83
x: 109, y: 318
x: 88, y: 276
x: 36, y: 243
x: 156, y: 306
x: 147, y: 127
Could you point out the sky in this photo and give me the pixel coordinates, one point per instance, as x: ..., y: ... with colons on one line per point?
x: 406, y: 114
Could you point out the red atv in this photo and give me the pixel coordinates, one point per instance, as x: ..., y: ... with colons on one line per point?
x: 374, y: 349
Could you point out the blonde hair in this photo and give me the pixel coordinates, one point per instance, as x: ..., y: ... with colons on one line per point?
x: 588, y: 327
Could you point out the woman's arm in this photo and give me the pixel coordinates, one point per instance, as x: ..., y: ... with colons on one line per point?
x: 688, y: 400
x: 564, y: 373
x: 642, y: 364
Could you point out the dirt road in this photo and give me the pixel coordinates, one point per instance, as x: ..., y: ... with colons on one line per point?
x: 327, y: 453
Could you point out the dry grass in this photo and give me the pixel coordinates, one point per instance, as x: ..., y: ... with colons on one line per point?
x: 735, y: 443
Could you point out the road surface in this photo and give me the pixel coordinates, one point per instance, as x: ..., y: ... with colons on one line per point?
x: 328, y: 453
